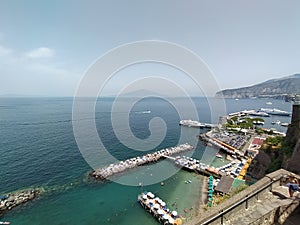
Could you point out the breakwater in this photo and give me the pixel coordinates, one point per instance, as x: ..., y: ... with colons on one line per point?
x: 122, y: 166
x: 11, y: 200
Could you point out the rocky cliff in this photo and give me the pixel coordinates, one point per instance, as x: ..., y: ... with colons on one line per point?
x: 287, y: 156
x: 271, y: 88
x: 293, y: 138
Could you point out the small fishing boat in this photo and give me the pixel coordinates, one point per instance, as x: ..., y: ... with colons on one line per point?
x: 276, y: 122
x: 1, y: 222
x: 284, y: 124
x: 218, y: 155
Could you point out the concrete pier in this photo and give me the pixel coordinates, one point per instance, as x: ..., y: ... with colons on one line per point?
x: 113, y: 169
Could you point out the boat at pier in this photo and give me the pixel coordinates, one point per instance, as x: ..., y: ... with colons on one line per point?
x: 275, y: 112
x: 259, y: 113
x: 197, y: 124
x: 157, y: 207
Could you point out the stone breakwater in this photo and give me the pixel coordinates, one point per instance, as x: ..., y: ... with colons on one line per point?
x: 113, y: 169
x: 11, y: 200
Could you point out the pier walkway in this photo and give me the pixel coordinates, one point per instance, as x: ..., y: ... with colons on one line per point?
x: 117, y: 168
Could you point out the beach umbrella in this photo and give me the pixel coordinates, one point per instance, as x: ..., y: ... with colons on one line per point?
x: 160, y: 212
x: 163, y: 204
x: 210, y: 199
x: 210, y: 194
x: 171, y: 220
x: 156, y: 206
x: 150, y: 195
x: 174, y: 213
x: 145, y: 197
x: 166, y: 216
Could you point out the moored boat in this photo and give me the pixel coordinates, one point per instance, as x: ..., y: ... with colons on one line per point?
x: 276, y: 112
x: 218, y: 155
x: 284, y: 124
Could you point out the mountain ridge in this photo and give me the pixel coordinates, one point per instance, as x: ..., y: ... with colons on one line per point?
x: 279, y: 87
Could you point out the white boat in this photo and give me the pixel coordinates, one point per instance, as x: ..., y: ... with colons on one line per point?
x: 258, y: 122
x: 218, y: 155
x: 284, y: 124
x: 276, y: 122
x: 276, y: 112
x: 5, y: 222
x: 269, y: 103
x: 259, y: 113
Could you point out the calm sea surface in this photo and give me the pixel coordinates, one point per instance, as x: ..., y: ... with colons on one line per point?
x: 38, y: 149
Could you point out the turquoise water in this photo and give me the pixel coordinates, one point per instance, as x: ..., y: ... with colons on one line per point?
x: 38, y: 149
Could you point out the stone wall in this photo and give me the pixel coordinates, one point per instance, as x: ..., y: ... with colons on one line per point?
x: 271, y: 180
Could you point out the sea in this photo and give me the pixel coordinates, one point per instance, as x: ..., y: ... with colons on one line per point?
x: 38, y: 149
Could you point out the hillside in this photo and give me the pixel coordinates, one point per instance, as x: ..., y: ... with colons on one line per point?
x: 271, y: 88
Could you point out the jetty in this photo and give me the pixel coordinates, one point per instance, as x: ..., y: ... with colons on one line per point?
x: 197, y: 124
x: 157, y: 207
x: 122, y: 166
x: 11, y: 200
x: 194, y: 165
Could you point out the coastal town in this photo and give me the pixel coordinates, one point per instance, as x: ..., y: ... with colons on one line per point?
x: 238, y: 137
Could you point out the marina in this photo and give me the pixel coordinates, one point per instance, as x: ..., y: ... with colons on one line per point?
x: 113, y: 169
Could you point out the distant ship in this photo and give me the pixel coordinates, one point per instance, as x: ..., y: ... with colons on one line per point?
x: 276, y: 112
x: 259, y: 113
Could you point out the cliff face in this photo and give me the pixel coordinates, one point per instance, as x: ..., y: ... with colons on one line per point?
x: 293, y: 137
x: 275, y: 87
x: 259, y: 165
x: 287, y: 156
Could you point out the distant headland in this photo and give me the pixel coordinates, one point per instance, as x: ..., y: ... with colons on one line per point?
x: 282, y: 88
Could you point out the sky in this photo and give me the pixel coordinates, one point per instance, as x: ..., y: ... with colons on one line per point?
x: 46, y: 47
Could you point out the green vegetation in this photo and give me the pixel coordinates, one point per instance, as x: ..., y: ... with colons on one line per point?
x: 218, y: 199
x: 278, y: 149
x: 242, y: 122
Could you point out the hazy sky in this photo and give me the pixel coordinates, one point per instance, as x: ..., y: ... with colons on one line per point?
x: 46, y: 46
